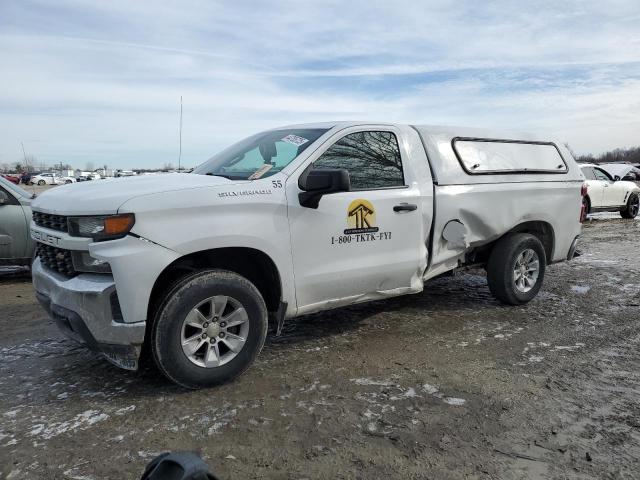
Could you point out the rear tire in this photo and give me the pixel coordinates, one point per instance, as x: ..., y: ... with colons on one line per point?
x: 209, y: 329
x: 516, y: 268
x: 632, y: 208
x: 41, y: 182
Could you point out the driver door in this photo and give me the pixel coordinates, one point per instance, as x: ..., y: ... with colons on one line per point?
x: 13, y: 227
x: 363, y: 241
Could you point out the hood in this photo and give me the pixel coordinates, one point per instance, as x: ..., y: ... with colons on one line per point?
x: 619, y: 169
x: 104, y: 197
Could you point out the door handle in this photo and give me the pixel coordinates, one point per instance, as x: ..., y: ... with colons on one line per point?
x: 405, y: 207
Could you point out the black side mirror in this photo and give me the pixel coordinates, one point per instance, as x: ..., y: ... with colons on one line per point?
x: 316, y: 183
x: 616, y: 178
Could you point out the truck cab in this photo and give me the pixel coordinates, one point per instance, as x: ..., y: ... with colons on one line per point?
x: 291, y: 221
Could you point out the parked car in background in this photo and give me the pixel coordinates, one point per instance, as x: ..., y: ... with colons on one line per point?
x: 16, y: 245
x: 607, y: 193
x: 26, y: 177
x: 625, y: 171
x: 45, y: 178
x: 293, y: 221
x: 83, y: 178
x: 50, y: 178
x: 12, y: 178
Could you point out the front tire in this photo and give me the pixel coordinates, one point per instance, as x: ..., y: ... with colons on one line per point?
x: 632, y: 208
x: 209, y: 329
x: 41, y: 182
x: 516, y: 268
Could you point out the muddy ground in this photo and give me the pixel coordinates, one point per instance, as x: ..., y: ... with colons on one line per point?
x: 445, y: 384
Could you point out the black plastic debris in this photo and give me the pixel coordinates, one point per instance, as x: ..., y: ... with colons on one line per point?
x: 177, y: 466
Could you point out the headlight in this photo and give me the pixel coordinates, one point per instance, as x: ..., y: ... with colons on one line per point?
x: 108, y: 227
x: 83, y: 262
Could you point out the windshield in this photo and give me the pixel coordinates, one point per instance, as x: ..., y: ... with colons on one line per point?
x: 260, y: 155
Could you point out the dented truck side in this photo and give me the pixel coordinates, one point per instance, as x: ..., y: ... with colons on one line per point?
x: 292, y: 221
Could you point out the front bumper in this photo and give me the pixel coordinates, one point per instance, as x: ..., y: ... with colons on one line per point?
x: 85, y: 308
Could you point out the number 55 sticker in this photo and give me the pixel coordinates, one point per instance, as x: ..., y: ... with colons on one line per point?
x: 276, y: 183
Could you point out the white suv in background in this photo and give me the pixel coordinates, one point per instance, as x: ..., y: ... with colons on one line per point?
x: 607, y: 193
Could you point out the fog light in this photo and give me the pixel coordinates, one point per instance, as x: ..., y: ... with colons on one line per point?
x: 83, y: 262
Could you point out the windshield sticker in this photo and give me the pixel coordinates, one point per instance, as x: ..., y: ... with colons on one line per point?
x: 361, y: 223
x: 260, y: 172
x: 295, y: 140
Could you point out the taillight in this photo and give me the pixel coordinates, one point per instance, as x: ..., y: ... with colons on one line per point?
x: 583, y: 207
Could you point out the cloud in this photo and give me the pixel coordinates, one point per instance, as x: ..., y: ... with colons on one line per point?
x: 100, y: 82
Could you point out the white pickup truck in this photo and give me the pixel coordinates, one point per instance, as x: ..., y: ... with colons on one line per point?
x: 292, y: 221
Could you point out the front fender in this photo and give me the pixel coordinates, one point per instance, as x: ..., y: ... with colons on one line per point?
x: 192, y: 221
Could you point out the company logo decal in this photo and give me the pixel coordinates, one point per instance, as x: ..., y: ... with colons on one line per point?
x: 361, y: 217
x: 361, y: 225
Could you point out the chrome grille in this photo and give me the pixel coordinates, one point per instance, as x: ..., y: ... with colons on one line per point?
x: 56, y: 259
x: 54, y: 222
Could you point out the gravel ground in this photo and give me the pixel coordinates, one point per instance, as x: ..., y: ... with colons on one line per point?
x: 445, y: 384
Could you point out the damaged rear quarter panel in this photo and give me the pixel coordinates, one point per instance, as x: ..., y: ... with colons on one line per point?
x: 490, y: 210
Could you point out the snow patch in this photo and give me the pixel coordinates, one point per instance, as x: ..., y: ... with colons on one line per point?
x: 580, y: 289
x: 81, y: 421
x: 368, y: 381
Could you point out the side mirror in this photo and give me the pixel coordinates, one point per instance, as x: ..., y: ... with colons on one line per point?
x: 316, y: 183
x: 4, y: 198
x: 616, y: 178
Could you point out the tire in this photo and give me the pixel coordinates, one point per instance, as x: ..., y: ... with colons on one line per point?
x: 633, y: 205
x: 41, y: 182
x: 67, y: 181
x: 173, y: 328
x: 502, y: 265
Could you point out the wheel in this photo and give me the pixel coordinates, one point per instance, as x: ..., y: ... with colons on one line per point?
x: 209, y: 329
x: 67, y: 181
x: 633, y: 205
x: 41, y: 182
x: 516, y: 267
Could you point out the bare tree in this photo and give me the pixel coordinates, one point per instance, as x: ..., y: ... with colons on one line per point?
x: 372, y: 158
x: 619, y: 155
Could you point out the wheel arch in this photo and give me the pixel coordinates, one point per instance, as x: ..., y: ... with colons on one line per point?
x: 540, y: 229
x: 255, y: 265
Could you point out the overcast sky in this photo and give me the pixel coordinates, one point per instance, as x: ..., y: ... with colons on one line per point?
x: 100, y: 82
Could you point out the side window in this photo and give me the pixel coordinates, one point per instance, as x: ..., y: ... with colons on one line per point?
x: 372, y: 159
x: 588, y: 173
x: 600, y: 175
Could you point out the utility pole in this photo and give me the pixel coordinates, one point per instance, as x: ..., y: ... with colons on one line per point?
x: 180, y: 137
x: 26, y: 163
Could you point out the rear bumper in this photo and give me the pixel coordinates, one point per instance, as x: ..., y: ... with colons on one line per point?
x: 85, y: 308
